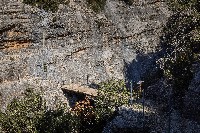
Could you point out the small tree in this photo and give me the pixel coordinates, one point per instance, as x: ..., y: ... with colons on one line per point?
x: 30, y: 115
x: 22, y: 115
x: 111, y: 95
x: 181, y: 46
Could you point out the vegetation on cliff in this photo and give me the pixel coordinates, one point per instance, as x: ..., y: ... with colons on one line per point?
x: 30, y: 114
x: 96, y: 5
x: 47, y: 5
x: 180, y: 43
x: 52, y: 5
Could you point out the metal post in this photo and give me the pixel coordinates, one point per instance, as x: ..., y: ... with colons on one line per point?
x: 43, y: 39
x: 87, y: 79
x: 143, y: 106
x: 140, y: 88
x: 131, y: 93
x: 71, y: 82
x: 170, y: 104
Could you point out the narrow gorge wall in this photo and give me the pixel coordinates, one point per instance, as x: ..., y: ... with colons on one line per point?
x: 39, y: 48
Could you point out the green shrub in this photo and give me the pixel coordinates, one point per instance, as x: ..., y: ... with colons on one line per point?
x: 180, y: 42
x: 96, y: 5
x: 52, y: 5
x: 111, y: 95
x: 58, y: 121
x: 22, y: 115
x: 30, y: 115
x: 180, y: 5
x: 47, y: 5
x: 95, y: 114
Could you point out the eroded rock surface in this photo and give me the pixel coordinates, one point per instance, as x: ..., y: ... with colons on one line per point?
x: 51, y: 49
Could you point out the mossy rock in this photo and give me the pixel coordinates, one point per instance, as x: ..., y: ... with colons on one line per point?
x: 47, y: 5
x: 96, y: 5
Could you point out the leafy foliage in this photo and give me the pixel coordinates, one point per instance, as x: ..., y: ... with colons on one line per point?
x: 180, y: 5
x: 181, y: 46
x: 52, y: 5
x: 111, y: 95
x: 30, y: 115
x: 22, y: 116
x: 58, y: 121
x: 95, y: 114
x: 96, y: 5
x: 85, y: 110
x: 47, y: 5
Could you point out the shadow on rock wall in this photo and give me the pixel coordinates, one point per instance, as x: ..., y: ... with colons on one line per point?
x: 143, y: 68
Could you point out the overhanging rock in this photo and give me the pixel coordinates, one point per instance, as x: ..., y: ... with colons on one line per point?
x: 79, y: 89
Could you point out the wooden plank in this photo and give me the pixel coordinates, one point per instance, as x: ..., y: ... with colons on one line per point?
x: 77, y: 88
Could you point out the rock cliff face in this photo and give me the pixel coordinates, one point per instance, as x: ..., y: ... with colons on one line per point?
x: 51, y: 49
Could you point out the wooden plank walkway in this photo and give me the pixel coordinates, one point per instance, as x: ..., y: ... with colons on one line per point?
x: 77, y: 88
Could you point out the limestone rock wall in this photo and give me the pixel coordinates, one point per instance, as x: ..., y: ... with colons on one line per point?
x: 51, y: 49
